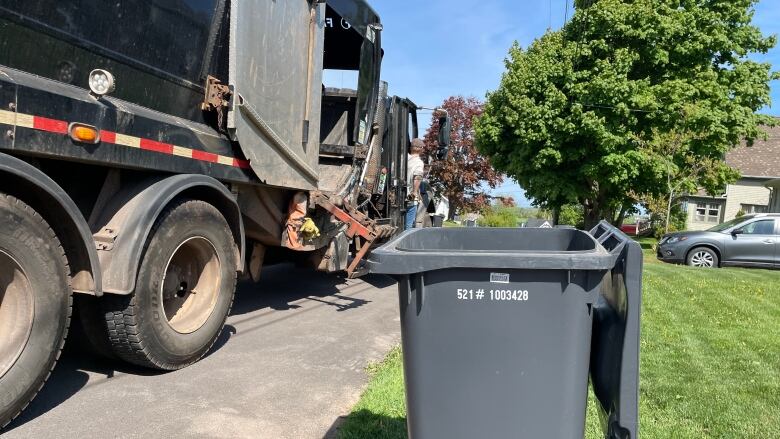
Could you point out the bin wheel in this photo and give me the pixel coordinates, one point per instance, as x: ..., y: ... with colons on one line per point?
x: 184, y: 290
x: 35, y: 304
x: 702, y: 257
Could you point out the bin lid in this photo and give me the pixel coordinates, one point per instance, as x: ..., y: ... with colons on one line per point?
x: 420, y: 250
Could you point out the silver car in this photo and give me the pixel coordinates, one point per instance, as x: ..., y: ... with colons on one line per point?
x: 749, y: 241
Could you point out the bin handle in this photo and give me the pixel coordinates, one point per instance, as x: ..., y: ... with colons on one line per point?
x: 614, y: 364
x: 605, y: 233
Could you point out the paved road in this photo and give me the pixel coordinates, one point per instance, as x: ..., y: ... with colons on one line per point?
x: 290, y: 361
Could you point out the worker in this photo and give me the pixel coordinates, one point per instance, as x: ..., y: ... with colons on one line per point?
x: 415, y: 168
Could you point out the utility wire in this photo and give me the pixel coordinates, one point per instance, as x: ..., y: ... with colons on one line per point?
x: 585, y: 21
x: 549, y: 20
x: 611, y: 107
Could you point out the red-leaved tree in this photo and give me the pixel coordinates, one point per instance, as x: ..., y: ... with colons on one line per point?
x: 464, y: 175
x: 506, y: 201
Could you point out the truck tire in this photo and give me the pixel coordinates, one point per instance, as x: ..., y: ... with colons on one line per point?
x: 184, y: 290
x: 35, y: 304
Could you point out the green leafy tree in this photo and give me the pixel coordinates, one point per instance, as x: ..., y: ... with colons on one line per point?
x: 662, y: 219
x: 571, y: 215
x: 685, y: 170
x: 576, y: 111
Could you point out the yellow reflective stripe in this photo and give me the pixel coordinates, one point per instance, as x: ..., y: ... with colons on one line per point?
x: 133, y: 142
x: 182, y: 151
x: 24, y: 120
x: 7, y: 117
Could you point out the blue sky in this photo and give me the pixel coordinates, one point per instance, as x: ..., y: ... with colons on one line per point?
x: 438, y: 48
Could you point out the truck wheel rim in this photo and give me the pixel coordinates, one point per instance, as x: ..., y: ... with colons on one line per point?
x: 17, y: 311
x: 190, y: 287
x: 702, y: 259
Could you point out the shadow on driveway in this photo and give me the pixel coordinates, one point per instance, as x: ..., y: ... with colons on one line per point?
x: 282, y: 285
x: 364, y: 424
x: 276, y: 294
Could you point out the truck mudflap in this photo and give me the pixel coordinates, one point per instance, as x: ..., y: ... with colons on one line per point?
x: 363, y: 231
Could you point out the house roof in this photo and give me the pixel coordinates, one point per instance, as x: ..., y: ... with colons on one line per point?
x: 703, y: 194
x: 760, y: 160
x: 538, y: 223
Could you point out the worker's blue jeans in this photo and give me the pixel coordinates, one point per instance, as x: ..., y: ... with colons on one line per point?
x: 411, y: 217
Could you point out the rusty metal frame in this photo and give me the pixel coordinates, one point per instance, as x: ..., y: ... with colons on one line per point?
x: 359, y: 228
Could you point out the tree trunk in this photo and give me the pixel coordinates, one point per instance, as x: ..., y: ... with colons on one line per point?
x: 556, y: 215
x: 669, y: 210
x: 592, y: 216
x: 621, y: 216
x: 454, y: 209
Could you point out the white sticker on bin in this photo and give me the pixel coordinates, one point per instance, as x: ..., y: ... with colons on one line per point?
x: 499, y: 278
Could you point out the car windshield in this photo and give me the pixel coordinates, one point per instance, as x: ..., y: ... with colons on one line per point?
x: 729, y: 224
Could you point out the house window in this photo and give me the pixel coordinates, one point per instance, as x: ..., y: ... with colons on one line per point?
x: 751, y: 209
x: 708, y: 213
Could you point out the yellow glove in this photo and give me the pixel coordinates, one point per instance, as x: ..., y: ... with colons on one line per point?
x: 309, y: 230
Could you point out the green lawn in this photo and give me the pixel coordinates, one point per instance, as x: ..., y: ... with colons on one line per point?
x: 710, y: 360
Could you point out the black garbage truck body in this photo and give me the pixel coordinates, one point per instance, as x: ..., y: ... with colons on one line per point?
x: 154, y: 151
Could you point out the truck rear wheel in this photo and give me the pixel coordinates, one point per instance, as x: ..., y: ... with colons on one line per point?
x: 35, y: 304
x: 184, y: 290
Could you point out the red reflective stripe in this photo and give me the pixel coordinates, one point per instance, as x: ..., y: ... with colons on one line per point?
x: 204, y: 156
x: 50, y: 125
x: 61, y: 127
x: 108, y: 136
x: 243, y: 164
x: 151, y: 145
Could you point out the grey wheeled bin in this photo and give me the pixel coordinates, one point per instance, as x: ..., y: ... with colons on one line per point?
x: 501, y: 329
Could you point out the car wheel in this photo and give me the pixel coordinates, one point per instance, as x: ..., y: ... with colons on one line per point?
x: 703, y: 257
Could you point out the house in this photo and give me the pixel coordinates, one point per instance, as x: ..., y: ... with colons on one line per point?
x: 774, y: 199
x: 471, y: 219
x: 760, y: 167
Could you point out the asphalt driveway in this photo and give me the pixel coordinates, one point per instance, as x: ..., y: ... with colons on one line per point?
x: 290, y: 361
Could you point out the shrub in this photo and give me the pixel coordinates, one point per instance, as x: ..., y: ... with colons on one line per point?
x: 499, y: 217
x: 677, y: 222
x: 572, y: 215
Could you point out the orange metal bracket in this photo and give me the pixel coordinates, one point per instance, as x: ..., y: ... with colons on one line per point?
x: 359, y: 228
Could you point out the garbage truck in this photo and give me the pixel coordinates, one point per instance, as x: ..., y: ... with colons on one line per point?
x: 152, y: 152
